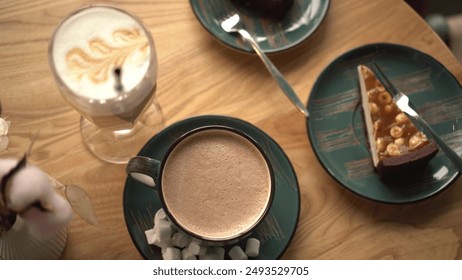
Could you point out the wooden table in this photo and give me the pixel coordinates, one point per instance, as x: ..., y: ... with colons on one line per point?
x: 198, y: 75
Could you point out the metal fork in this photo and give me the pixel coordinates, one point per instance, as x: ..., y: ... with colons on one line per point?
x: 233, y: 24
x: 403, y: 103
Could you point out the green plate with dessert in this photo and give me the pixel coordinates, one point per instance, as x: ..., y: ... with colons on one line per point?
x: 338, y: 134
x: 276, y: 25
x: 275, y: 233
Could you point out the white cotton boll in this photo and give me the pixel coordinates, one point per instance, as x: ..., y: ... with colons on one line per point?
x: 49, y: 222
x: 4, y: 126
x: 6, y: 165
x: 61, y: 210
x: 252, y: 247
x: 28, y: 185
x: 236, y: 253
x: 171, y: 253
x: 4, y: 142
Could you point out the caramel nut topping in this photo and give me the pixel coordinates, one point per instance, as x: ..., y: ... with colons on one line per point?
x: 417, y: 140
x: 374, y: 109
x: 401, y: 118
x: 388, y: 108
x: 396, y: 132
x: 400, y: 141
x: 372, y: 92
x: 384, y: 97
x: 393, y: 150
x: 381, y: 145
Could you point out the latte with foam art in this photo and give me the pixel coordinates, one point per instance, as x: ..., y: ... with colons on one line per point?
x: 105, y: 57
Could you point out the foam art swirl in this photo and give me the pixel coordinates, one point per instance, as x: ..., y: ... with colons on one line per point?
x: 128, y: 45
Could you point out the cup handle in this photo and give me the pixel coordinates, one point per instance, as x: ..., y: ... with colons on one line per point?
x: 144, y: 170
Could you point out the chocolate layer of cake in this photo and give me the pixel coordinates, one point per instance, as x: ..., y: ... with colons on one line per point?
x: 407, y: 163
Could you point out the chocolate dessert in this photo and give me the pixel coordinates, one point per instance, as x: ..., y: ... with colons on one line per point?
x: 396, y: 144
x: 272, y: 9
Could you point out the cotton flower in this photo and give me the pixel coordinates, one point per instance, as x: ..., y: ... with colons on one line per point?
x: 4, y: 127
x: 30, y: 194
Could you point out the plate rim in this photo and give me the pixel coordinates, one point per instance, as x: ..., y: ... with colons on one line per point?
x: 227, y: 118
x: 310, y: 132
x: 270, y: 50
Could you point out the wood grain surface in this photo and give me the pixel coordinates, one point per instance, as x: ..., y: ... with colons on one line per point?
x: 198, y: 75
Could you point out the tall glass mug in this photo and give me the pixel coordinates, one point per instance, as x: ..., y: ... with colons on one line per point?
x: 105, y: 64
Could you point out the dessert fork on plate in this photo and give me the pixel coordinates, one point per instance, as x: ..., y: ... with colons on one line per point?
x: 232, y: 24
x: 402, y: 101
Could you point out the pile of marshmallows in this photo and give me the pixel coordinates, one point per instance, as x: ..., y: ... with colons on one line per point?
x: 176, y: 245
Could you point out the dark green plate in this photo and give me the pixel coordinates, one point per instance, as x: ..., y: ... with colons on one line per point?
x: 301, y: 21
x: 337, y: 131
x: 275, y: 233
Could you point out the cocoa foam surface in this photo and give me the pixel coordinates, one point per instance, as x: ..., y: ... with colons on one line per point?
x: 217, y: 184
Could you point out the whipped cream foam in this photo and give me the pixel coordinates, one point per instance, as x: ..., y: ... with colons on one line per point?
x: 90, y: 44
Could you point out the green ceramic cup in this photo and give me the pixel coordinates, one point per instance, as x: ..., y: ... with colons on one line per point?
x: 215, y: 183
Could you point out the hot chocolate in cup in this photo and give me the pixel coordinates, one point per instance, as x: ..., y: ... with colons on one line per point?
x: 215, y: 183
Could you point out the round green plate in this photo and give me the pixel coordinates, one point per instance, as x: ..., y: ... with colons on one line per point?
x: 275, y: 232
x: 337, y: 132
x: 301, y: 21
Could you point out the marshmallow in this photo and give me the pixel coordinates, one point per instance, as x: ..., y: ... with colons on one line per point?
x: 160, y: 215
x: 163, y: 230
x: 171, y: 253
x: 209, y: 254
x: 252, y: 247
x: 196, y: 249
x: 180, y: 240
x: 153, y: 238
x: 161, y: 244
x: 187, y: 255
x: 150, y: 235
x: 236, y: 253
x: 220, y: 253
x: 177, y: 245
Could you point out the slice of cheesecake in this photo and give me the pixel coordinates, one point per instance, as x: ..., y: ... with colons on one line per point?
x: 396, y: 144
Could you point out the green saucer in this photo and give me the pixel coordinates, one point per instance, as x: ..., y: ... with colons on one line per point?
x: 140, y: 203
x: 304, y: 17
x: 337, y: 132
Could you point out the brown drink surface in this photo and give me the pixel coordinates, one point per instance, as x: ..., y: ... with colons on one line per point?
x: 216, y: 184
